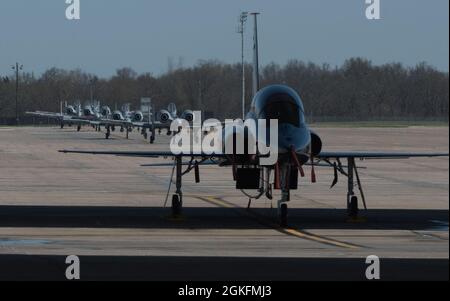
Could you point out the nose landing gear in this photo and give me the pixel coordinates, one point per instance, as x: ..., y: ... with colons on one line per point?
x: 284, y: 181
x: 152, y: 135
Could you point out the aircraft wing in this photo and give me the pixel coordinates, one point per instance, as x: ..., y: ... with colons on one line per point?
x: 76, y: 120
x: 111, y: 122
x: 378, y: 155
x: 213, y: 162
x: 45, y: 114
x: 142, y: 154
x: 322, y: 155
x: 150, y: 125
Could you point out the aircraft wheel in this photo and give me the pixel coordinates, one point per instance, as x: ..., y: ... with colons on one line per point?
x: 353, y: 207
x: 113, y: 128
x: 152, y: 139
x: 62, y: 125
x: 107, y: 135
x: 145, y: 136
x: 78, y: 128
x: 283, y: 215
x: 177, y: 205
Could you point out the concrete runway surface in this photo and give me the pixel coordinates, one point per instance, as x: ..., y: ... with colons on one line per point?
x: 109, y: 211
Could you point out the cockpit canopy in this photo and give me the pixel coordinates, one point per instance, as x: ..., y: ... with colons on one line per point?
x: 282, y: 108
x: 279, y: 102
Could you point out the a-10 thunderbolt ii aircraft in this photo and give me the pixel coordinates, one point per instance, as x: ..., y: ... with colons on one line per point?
x: 73, y: 115
x: 125, y: 119
x: 163, y: 120
x: 143, y: 121
x: 297, y: 146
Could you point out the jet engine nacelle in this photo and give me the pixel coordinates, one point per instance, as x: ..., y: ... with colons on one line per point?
x: 70, y: 110
x: 138, y: 116
x: 117, y: 115
x: 188, y: 115
x: 165, y: 117
x: 88, y: 112
x: 316, y: 144
x: 106, y: 111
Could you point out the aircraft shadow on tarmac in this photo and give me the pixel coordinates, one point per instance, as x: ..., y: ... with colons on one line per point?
x: 178, y: 268
x: 217, y: 218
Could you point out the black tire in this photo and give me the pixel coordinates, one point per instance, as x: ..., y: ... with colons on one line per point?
x: 353, y: 209
x: 78, y: 128
x: 283, y: 215
x: 152, y: 139
x: 107, y: 135
x: 177, y: 205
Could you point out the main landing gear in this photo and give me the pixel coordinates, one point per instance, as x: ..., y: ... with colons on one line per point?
x: 144, y: 133
x: 177, y: 198
x: 78, y: 128
x: 352, y: 207
x: 283, y: 214
x: 352, y: 199
x: 177, y: 205
x: 128, y: 131
x: 108, y: 132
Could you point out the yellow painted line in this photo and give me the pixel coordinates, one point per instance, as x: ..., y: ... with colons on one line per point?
x: 294, y: 232
x: 320, y: 239
x: 216, y: 202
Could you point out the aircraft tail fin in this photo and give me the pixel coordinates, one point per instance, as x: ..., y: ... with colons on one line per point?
x: 172, y: 109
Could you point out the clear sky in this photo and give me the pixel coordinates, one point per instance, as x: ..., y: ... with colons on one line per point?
x: 143, y: 34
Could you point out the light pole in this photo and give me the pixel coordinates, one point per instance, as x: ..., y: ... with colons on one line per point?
x: 255, y: 54
x: 17, y: 67
x: 241, y: 30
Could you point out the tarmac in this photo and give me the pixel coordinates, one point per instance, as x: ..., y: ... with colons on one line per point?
x: 110, y: 212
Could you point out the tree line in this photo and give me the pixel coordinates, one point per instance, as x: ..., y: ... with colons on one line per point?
x: 355, y: 91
